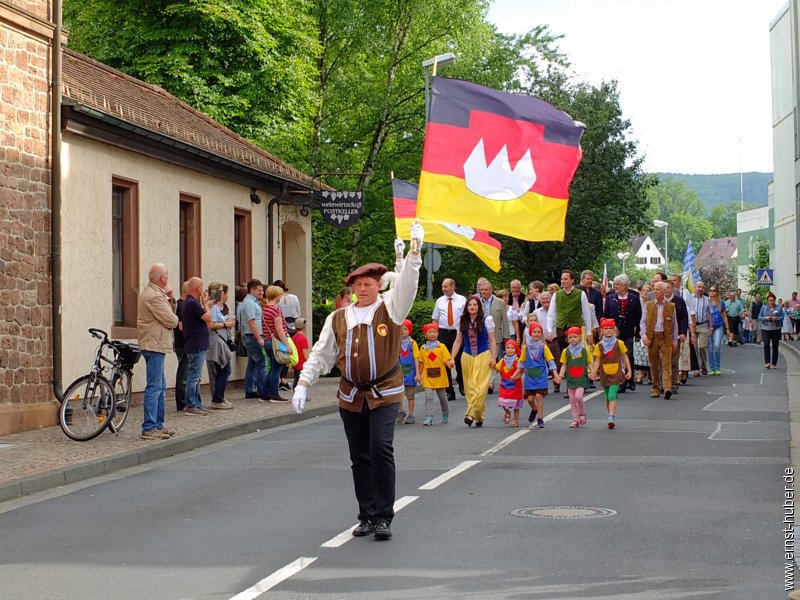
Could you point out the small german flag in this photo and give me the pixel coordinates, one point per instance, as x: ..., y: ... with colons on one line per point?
x: 477, y: 241
x: 500, y: 161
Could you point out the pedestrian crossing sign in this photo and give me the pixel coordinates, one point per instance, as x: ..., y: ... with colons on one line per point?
x: 766, y: 276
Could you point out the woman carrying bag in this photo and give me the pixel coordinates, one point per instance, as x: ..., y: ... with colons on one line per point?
x: 771, y: 318
x: 274, y: 327
x: 219, y: 354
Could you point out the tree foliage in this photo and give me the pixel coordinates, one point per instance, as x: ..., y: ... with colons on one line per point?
x: 760, y: 261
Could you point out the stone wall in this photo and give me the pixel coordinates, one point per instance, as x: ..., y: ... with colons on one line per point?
x: 26, y: 398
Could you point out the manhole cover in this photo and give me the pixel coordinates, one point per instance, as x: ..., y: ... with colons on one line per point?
x: 563, y: 512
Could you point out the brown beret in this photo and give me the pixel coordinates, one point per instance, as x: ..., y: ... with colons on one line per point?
x: 374, y: 270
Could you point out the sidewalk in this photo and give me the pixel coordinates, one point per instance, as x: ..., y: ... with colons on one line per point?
x: 33, y: 461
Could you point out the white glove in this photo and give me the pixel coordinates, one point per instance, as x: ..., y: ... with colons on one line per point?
x: 299, y: 398
x: 417, y: 233
x: 399, y: 246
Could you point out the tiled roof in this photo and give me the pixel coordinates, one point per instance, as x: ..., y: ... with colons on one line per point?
x: 107, y: 90
x: 637, y: 242
x: 721, y: 248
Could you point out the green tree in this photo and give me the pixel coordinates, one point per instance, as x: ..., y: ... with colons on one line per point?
x: 760, y: 261
x: 723, y: 217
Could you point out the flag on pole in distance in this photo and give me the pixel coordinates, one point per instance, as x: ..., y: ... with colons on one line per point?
x: 690, y: 273
x: 477, y: 241
x: 500, y: 161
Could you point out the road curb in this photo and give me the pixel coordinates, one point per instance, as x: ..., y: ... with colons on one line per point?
x: 792, y: 355
x: 25, y: 486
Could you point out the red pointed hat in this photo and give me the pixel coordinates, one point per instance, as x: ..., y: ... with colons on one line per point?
x: 514, y: 344
x: 573, y: 330
x: 374, y: 270
x: 428, y: 326
x: 409, y: 325
x: 607, y: 323
x: 535, y: 325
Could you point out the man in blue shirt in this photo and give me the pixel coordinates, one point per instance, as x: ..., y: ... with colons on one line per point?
x: 255, y: 377
x: 734, y: 307
x: 195, y: 317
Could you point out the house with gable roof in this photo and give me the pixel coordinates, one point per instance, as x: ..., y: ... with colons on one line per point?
x: 646, y: 254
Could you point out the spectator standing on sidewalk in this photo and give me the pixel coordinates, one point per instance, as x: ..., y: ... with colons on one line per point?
x: 363, y: 341
x: 250, y: 315
x: 180, y: 354
x: 301, y: 343
x: 154, y: 323
x: 195, y: 318
x: 755, y: 324
x: 219, y: 355
x: 274, y: 326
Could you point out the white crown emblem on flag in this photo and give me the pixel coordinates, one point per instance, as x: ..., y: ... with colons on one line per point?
x: 497, y: 181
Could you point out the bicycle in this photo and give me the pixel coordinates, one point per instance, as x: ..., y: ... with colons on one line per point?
x: 95, y: 402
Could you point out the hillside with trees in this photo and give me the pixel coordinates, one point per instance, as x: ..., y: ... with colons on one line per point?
x: 715, y: 190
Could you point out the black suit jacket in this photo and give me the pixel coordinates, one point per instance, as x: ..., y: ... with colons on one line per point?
x: 629, y: 327
x: 682, y: 312
x: 595, y: 298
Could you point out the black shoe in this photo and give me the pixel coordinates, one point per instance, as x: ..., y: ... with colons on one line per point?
x: 382, y: 531
x: 532, y: 416
x: 461, y: 391
x: 252, y: 395
x: 621, y: 390
x: 592, y: 386
x: 478, y: 423
x: 668, y: 394
x: 363, y: 528
x: 284, y: 386
x: 491, y: 390
x: 451, y: 396
x: 632, y: 385
x: 468, y: 421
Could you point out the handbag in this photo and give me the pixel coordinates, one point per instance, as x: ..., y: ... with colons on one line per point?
x: 228, y: 342
x: 281, y: 352
x: 241, y: 350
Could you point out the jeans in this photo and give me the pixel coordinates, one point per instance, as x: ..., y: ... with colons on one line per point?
x: 772, y: 339
x: 196, y: 361
x: 715, y: 348
x: 256, y: 366
x: 370, y: 438
x: 180, y: 379
x: 218, y: 380
x: 154, y: 392
x: 274, y: 373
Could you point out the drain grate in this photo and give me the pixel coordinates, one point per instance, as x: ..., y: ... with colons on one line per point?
x: 563, y: 512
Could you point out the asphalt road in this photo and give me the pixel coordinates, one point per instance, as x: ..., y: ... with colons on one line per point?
x: 693, y: 488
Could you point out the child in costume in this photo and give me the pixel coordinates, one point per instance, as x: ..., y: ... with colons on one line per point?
x: 510, y: 397
x: 575, y: 368
x: 434, y: 360
x: 409, y: 358
x: 610, y: 354
x: 535, y: 363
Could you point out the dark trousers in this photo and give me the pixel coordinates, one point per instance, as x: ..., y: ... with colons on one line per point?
x: 181, y: 375
x: 772, y: 339
x: 370, y: 437
x: 448, y: 337
x: 733, y: 322
x: 628, y: 384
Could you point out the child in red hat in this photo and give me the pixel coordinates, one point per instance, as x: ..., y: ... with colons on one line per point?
x: 434, y: 360
x: 575, y: 369
x: 611, y: 354
x: 409, y: 357
x: 535, y: 362
x: 510, y: 397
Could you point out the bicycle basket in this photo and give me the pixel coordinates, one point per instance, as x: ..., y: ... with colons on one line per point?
x: 129, y: 354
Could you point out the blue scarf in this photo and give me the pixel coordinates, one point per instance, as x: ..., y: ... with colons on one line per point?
x: 608, y: 343
x: 430, y: 346
x: 405, y: 344
x: 535, y: 348
x: 575, y: 349
x: 509, y: 360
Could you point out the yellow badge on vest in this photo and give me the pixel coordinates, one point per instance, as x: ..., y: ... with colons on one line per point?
x: 383, y: 330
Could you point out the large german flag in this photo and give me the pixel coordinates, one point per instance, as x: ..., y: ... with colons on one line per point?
x: 478, y: 241
x: 503, y: 162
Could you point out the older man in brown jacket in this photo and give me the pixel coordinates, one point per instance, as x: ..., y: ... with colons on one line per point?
x: 659, y: 329
x: 155, y: 321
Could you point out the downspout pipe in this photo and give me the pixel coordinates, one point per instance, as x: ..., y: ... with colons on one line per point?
x: 55, y: 202
x: 270, y: 234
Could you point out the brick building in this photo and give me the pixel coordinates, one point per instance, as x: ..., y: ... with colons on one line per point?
x: 140, y: 177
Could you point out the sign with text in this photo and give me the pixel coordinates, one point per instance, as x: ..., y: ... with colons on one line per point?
x: 766, y: 276
x: 341, y: 209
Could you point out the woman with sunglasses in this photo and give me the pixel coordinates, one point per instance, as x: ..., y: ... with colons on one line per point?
x: 718, y: 327
x: 771, y: 317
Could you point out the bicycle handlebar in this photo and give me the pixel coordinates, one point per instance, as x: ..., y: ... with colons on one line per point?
x: 98, y: 333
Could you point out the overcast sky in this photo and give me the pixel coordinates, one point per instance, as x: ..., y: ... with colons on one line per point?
x: 694, y: 75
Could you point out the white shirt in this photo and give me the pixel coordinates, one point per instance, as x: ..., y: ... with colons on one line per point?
x: 542, y: 315
x: 290, y: 306
x: 586, y: 312
x: 440, y: 310
x: 325, y: 351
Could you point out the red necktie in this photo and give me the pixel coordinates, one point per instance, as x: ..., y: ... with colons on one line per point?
x: 450, y: 311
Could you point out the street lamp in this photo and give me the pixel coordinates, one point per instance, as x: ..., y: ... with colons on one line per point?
x: 442, y: 59
x: 664, y: 224
x: 623, y: 256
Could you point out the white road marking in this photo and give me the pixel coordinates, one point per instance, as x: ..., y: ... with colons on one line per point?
x: 518, y: 434
x: 277, y: 577
x: 716, y: 431
x: 437, y: 481
x: 347, y: 534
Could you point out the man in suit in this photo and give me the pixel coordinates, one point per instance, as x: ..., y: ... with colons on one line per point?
x: 498, y: 310
x: 626, y: 310
x: 682, y: 313
x: 517, y: 300
x: 594, y: 295
x: 659, y: 331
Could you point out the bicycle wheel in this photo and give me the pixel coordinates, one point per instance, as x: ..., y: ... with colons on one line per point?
x: 121, y: 383
x: 87, y: 409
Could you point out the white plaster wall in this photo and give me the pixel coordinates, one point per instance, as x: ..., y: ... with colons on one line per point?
x: 87, y: 283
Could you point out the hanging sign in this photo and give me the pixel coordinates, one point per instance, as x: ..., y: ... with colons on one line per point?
x: 341, y: 209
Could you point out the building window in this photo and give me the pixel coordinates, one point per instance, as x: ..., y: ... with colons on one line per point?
x: 242, y: 246
x: 655, y: 260
x: 648, y: 246
x: 124, y: 256
x: 641, y: 260
x: 190, y: 265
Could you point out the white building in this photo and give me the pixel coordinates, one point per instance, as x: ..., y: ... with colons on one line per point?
x: 752, y: 226
x: 646, y: 253
x: 786, y: 148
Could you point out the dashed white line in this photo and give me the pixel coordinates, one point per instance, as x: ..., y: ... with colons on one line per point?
x: 437, y: 481
x: 347, y: 534
x: 277, y: 577
x: 716, y: 431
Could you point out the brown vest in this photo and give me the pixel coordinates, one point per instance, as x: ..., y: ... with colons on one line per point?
x: 366, y: 354
x: 652, y: 315
x: 611, y: 362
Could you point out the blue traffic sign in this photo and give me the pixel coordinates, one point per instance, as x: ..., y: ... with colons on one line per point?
x: 766, y: 276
